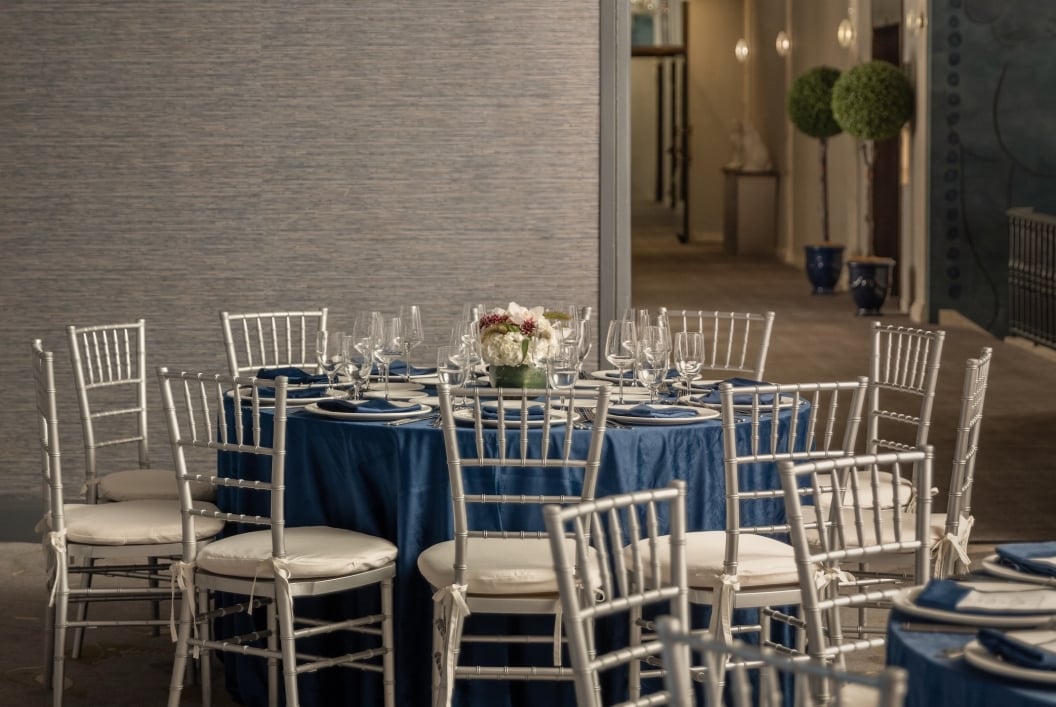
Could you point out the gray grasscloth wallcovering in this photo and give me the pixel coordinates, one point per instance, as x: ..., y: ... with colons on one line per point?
x: 172, y: 159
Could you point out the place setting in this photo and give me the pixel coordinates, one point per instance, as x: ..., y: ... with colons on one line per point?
x: 369, y: 409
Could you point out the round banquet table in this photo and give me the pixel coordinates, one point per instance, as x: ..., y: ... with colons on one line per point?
x: 392, y: 481
x: 938, y: 678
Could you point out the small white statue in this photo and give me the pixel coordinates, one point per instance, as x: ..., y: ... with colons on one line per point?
x: 748, y: 153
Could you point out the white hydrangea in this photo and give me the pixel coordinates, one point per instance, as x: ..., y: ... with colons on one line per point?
x: 505, y: 348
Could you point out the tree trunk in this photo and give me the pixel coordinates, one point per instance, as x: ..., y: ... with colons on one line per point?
x: 824, y: 156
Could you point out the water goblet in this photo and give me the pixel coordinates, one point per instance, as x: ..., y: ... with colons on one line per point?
x: 357, y: 359
x: 621, y: 347
x: 689, y: 356
x: 450, y: 366
x: 328, y: 361
x: 650, y: 372
x: 562, y: 366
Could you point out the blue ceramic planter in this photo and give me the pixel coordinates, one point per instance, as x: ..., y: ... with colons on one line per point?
x: 824, y: 263
x: 869, y: 281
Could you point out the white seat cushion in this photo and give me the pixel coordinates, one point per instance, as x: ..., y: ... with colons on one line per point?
x: 133, y: 523
x: 936, y: 527
x: 311, y: 552
x: 144, y: 484
x: 885, y: 485
x: 762, y: 561
x: 499, y: 565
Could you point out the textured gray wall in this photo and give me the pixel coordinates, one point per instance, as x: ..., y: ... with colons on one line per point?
x: 171, y: 159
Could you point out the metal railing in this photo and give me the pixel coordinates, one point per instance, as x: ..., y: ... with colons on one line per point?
x: 1032, y: 275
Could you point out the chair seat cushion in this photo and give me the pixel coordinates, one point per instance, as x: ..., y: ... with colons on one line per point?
x: 311, y: 552
x: 133, y: 523
x: 885, y: 485
x: 499, y: 565
x: 144, y: 484
x: 762, y: 561
x: 908, y: 523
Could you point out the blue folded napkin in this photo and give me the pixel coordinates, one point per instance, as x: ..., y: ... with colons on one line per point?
x: 296, y: 393
x: 1025, y: 557
x: 296, y: 376
x: 490, y: 411
x: 371, y: 405
x: 1018, y: 651
x: 947, y: 594
x: 654, y: 411
x: 714, y: 397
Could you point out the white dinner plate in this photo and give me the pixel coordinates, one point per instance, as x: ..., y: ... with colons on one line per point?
x: 557, y: 417
x: 582, y: 382
x: 697, y: 384
x: 785, y: 402
x: 379, y: 384
x: 379, y: 392
x: 244, y: 396
x: 994, y: 566
x: 413, y: 409
x: 701, y: 414
x: 978, y: 656
x: 905, y: 601
x: 613, y: 376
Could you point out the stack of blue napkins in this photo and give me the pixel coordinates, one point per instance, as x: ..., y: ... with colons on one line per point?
x: 714, y: 397
x: 372, y: 405
x: 1004, y: 598
x: 1032, y: 558
x: 654, y: 411
x: 490, y: 411
x: 1029, y: 649
x: 294, y: 375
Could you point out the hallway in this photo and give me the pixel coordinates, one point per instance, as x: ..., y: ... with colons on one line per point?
x: 820, y: 338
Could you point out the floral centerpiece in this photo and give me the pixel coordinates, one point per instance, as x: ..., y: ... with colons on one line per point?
x: 515, y: 342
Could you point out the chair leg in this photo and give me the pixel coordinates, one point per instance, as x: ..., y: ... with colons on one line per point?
x: 388, y: 663
x: 155, y: 605
x: 81, y: 612
x: 205, y: 630
x: 58, y: 657
x: 49, y: 628
x: 635, y: 675
x: 287, y: 643
x: 179, y: 663
x: 273, y: 661
x: 438, y: 653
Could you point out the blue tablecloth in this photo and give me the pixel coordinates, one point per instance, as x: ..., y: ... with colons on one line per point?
x: 392, y: 482
x: 936, y: 680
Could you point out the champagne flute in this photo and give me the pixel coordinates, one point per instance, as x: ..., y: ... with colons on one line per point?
x: 411, y: 319
x: 389, y: 348
x: 620, y: 347
x: 689, y: 356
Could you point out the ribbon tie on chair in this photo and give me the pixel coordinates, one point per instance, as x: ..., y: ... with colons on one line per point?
x: 55, y: 541
x: 454, y: 609
x: 824, y: 576
x: 729, y: 583
x: 951, y: 551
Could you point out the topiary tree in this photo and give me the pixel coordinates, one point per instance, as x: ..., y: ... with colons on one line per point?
x: 872, y: 102
x: 810, y: 110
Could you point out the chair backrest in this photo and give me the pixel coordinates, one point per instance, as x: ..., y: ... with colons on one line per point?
x: 271, y: 340
x: 683, y: 649
x: 48, y: 427
x: 828, y: 429
x: 209, y: 414
x: 734, y: 342
x: 109, y: 374
x: 830, y: 539
x: 527, y: 432
x: 959, y: 518
x: 903, y: 374
x: 625, y: 535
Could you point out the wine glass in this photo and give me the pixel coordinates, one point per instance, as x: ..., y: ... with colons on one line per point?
x: 620, y: 347
x: 411, y: 319
x: 689, y: 356
x: 357, y: 359
x: 389, y: 347
x: 466, y: 335
x: 328, y: 360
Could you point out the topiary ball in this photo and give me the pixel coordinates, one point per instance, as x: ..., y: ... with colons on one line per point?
x: 810, y: 102
x: 872, y: 101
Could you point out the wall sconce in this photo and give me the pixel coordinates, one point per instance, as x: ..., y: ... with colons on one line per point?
x: 741, y: 50
x: 783, y: 44
x: 916, y: 21
x: 845, y: 33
